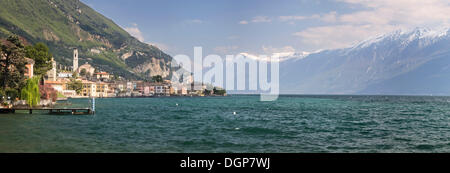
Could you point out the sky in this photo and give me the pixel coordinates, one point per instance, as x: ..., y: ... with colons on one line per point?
x: 264, y: 27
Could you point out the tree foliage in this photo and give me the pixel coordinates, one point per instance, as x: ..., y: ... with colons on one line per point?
x: 157, y: 79
x: 30, y: 92
x: 219, y: 91
x: 83, y: 72
x: 48, y: 92
x: 75, y: 85
x: 41, y: 56
x: 12, y: 63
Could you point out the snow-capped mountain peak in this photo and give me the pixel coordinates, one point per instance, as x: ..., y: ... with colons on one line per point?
x: 281, y: 56
x: 406, y: 36
x: 401, y: 62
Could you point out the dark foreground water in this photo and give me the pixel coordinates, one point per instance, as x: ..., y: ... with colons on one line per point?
x: 291, y: 124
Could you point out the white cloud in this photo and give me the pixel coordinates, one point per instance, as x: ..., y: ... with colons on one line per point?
x: 261, y: 19
x: 338, y: 36
x: 194, y: 21
x: 290, y: 18
x: 272, y: 50
x: 328, y: 17
x: 401, y: 12
x: 135, y: 32
x: 226, y: 50
x: 161, y: 46
x: 244, y: 22
x: 257, y: 19
x: 377, y: 17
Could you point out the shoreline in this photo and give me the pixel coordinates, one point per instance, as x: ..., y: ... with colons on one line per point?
x: 142, y: 97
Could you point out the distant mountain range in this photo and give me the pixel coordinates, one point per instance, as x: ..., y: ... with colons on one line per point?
x: 68, y: 24
x: 413, y: 62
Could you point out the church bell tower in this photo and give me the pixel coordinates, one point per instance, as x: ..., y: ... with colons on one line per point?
x: 75, y: 59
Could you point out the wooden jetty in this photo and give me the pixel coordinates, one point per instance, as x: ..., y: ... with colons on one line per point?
x: 73, y: 111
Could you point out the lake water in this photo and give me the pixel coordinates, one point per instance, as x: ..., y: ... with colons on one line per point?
x: 295, y: 124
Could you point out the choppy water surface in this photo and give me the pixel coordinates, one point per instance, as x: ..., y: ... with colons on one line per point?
x: 291, y: 124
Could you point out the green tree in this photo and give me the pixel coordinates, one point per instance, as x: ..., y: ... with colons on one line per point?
x: 41, y: 56
x: 12, y: 63
x: 75, y: 85
x: 219, y: 91
x: 207, y: 92
x: 30, y: 92
x: 2, y: 94
x: 157, y: 79
x: 11, y: 93
x: 83, y: 72
x: 75, y: 75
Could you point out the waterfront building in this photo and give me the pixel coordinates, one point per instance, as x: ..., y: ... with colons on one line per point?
x: 183, y: 91
x: 120, y: 87
x: 146, y: 91
x: 130, y: 86
x: 57, y: 85
x: 152, y: 90
x: 179, y: 89
x: 89, y: 88
x: 173, y: 91
x: 160, y: 90
x: 69, y: 93
x: 136, y: 94
x: 101, y: 89
x: 111, y: 92
x: 95, y: 89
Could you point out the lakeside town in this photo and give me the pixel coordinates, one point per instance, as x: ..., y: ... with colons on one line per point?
x: 43, y: 81
x: 102, y: 84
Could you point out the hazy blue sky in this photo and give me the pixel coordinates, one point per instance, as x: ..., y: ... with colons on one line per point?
x: 266, y: 26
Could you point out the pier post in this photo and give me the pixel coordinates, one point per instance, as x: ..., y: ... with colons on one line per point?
x: 31, y: 111
x: 93, y: 105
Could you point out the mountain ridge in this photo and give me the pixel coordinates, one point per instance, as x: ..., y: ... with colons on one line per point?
x: 371, y: 66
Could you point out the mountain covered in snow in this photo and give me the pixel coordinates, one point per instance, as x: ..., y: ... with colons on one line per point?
x: 412, y: 62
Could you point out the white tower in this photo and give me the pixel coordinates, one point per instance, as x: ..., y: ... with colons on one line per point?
x: 53, y: 69
x: 75, y: 59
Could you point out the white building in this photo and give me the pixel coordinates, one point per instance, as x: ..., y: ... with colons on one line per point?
x: 130, y: 86
x: 65, y: 75
x: 146, y: 90
x: 69, y: 93
x: 160, y: 90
